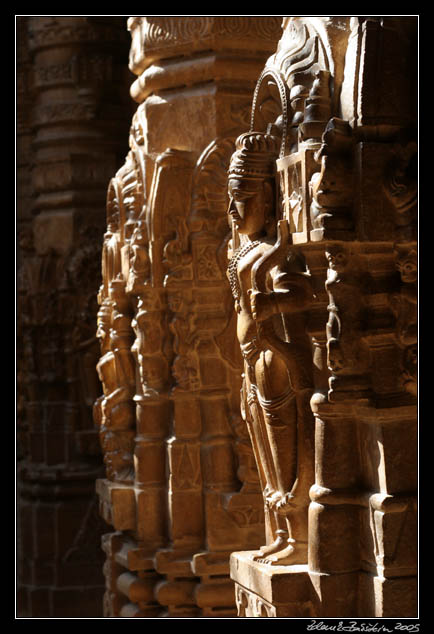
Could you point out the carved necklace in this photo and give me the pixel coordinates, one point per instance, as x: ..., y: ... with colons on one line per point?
x: 233, y: 270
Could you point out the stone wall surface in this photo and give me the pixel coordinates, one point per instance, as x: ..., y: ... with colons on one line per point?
x: 254, y: 390
x: 73, y: 115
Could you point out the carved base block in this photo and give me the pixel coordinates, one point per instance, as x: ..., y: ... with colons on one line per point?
x: 388, y: 598
x: 263, y: 590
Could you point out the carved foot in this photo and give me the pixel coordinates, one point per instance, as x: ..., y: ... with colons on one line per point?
x: 281, y: 539
x: 290, y: 555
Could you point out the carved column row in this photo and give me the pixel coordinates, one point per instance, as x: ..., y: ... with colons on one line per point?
x: 71, y: 108
x: 180, y: 485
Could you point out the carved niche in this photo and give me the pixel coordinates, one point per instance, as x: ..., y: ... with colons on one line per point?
x: 287, y: 166
x: 270, y: 285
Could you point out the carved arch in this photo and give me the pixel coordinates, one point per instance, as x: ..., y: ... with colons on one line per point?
x: 271, y: 94
x: 113, y: 205
x: 296, y: 87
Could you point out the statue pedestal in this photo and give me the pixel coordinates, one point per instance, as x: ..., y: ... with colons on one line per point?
x: 263, y: 590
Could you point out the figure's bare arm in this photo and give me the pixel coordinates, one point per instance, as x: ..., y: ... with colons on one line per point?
x: 291, y: 292
x: 117, y: 396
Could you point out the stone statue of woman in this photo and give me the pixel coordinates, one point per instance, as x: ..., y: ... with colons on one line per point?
x: 272, y: 291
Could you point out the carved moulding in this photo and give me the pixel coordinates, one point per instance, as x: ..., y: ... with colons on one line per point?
x: 286, y: 592
x: 174, y: 51
x: 113, y: 411
x: 347, y: 355
x: 360, y: 424
x: 329, y: 161
x: 371, y: 495
x: 132, y: 467
x: 366, y: 418
x: 375, y: 381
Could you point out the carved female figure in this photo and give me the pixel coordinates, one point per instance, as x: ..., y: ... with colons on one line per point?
x: 113, y: 412
x: 271, y: 290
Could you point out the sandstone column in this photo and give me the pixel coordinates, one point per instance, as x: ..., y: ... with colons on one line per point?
x: 345, y: 112
x: 181, y: 490
x: 73, y: 117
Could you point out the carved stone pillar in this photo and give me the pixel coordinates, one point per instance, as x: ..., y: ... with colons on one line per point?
x: 72, y: 116
x: 23, y: 173
x: 191, y: 494
x: 339, y: 95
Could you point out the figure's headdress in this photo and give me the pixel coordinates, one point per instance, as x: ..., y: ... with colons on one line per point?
x: 255, y: 156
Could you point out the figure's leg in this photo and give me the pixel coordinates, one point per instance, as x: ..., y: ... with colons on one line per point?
x: 277, y: 545
x: 252, y: 414
x: 256, y: 427
x: 264, y: 462
x: 292, y: 550
x: 280, y: 414
x: 293, y: 506
x: 282, y: 439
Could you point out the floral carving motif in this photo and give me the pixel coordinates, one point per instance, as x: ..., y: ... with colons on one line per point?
x: 167, y: 29
x: 164, y: 30
x: 208, y: 268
